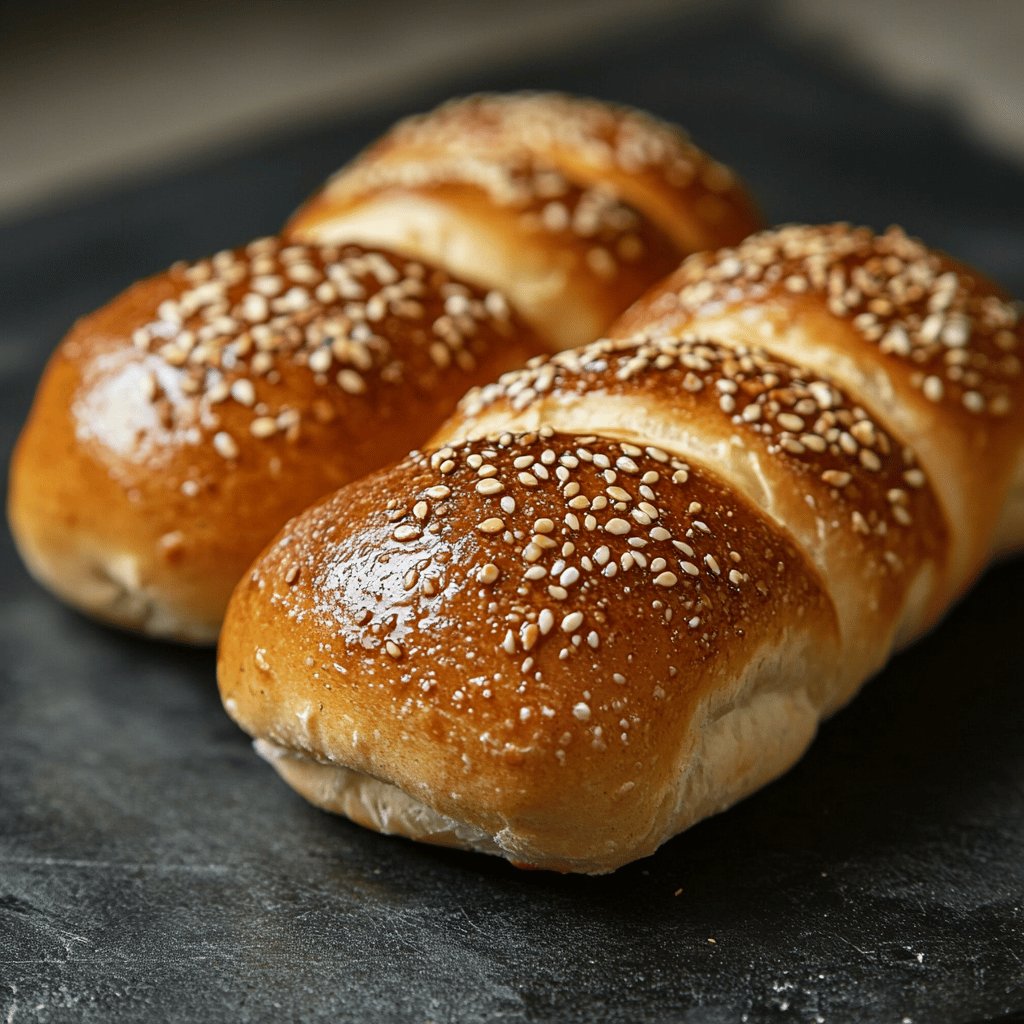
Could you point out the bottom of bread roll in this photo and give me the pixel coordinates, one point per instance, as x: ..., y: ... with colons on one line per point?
x: 110, y: 587
x: 737, y: 749
x: 1009, y: 538
x: 373, y: 803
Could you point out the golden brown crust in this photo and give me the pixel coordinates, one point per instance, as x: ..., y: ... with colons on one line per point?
x: 177, y: 427
x: 651, y: 164
x: 802, y: 450
x: 522, y: 640
x: 573, y: 207
x: 795, y: 521
x: 926, y: 344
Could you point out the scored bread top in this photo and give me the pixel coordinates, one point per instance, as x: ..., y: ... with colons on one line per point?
x: 925, y: 344
x: 958, y: 333
x: 650, y: 163
x: 851, y: 495
x: 574, y: 207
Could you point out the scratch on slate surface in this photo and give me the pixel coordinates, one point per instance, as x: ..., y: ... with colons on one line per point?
x: 114, y: 865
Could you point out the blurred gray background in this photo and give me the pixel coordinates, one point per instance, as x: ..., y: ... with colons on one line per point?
x: 96, y: 92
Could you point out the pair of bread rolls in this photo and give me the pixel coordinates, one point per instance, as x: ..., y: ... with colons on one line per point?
x: 179, y: 426
x: 620, y: 587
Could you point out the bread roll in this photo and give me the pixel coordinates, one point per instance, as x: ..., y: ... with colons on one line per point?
x: 572, y: 207
x: 179, y: 426
x: 623, y: 585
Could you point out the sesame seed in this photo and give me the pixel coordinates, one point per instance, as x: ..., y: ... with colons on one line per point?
x: 243, y: 392
x: 490, y: 486
x: 491, y: 525
x: 350, y: 382
x: 320, y: 360
x: 869, y: 460
x: 263, y: 426
x: 617, y: 527
x: 581, y: 712
x: 393, y: 649
x: 225, y: 445
x: 836, y: 477
x: 572, y: 622
x: 973, y: 401
x: 529, y: 635
x: 488, y: 574
x: 933, y: 388
x: 666, y: 579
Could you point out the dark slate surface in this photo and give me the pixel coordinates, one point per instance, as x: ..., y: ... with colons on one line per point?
x: 152, y: 869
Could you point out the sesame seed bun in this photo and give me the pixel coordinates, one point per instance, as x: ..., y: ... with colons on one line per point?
x: 622, y: 585
x: 179, y: 426
x: 455, y: 650
x: 571, y: 206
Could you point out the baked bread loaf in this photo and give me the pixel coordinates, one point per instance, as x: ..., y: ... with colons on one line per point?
x: 624, y: 584
x: 572, y: 207
x: 179, y: 426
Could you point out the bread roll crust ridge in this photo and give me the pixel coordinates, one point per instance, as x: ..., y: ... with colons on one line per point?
x: 927, y: 345
x: 572, y: 206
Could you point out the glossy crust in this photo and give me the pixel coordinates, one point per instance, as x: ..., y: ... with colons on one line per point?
x: 926, y: 344
x: 179, y: 426
x: 572, y: 207
x: 797, y: 446
x: 569, y: 684
x: 564, y: 646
